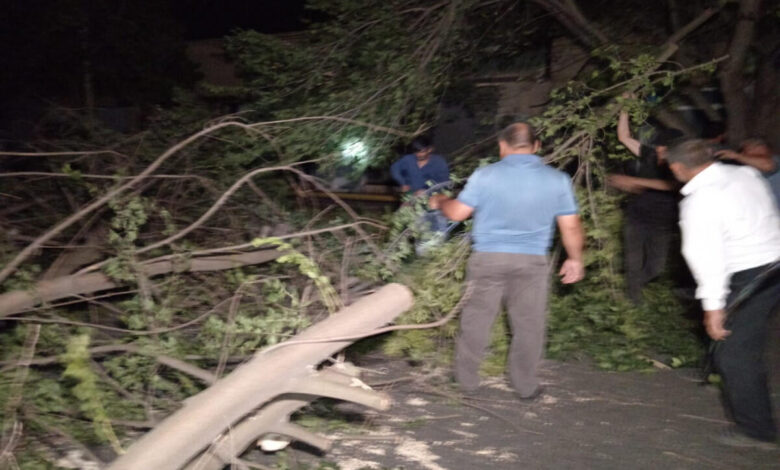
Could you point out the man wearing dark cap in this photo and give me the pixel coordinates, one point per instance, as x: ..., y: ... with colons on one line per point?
x: 651, y: 209
x: 416, y: 171
x: 516, y: 203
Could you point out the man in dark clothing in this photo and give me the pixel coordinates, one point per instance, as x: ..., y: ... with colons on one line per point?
x: 414, y: 171
x: 650, y: 211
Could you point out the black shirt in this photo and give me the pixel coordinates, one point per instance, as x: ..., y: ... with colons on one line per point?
x: 651, y: 206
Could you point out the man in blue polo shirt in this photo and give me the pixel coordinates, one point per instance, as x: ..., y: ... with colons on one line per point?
x: 414, y: 172
x: 515, y: 203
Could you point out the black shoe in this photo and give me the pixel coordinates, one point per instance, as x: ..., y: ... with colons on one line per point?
x: 733, y: 438
x: 538, y: 391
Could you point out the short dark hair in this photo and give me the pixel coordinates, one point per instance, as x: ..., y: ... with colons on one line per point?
x: 692, y: 153
x: 519, y: 134
x: 421, y: 143
x: 667, y: 137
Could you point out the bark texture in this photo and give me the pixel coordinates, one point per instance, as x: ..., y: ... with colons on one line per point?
x: 207, y: 415
x: 732, y: 79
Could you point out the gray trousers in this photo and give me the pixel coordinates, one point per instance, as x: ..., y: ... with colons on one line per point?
x: 521, y: 282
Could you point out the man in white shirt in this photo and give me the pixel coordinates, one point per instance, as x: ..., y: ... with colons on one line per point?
x: 731, y: 238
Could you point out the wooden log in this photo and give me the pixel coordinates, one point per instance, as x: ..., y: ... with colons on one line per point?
x: 207, y: 415
x: 241, y: 436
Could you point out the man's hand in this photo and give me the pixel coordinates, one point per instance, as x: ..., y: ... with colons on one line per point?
x: 435, y: 201
x: 713, y: 322
x: 758, y: 160
x: 573, y: 240
x: 572, y: 271
x: 624, y: 134
x: 451, y: 208
x: 624, y: 183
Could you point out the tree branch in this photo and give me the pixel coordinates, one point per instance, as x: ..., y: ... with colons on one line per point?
x: 213, y: 209
x: 57, y: 229
x: 60, y: 154
x: 7, y: 270
x: 172, y: 362
x: 731, y: 79
x: 387, y: 130
x: 47, y: 291
x: 572, y: 18
x: 668, y: 49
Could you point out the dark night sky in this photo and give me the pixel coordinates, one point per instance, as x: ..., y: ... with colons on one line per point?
x: 215, y: 18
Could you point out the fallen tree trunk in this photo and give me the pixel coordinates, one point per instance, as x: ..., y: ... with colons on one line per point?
x: 271, y: 418
x: 79, y: 284
x: 288, y: 369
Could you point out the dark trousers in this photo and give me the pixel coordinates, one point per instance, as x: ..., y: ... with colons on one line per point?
x: 645, y: 248
x: 741, y: 358
x: 521, y: 282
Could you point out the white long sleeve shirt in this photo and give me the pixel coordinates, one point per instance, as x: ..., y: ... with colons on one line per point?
x: 729, y: 223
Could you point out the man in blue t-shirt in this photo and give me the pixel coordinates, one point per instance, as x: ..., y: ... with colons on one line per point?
x: 414, y: 172
x: 515, y: 203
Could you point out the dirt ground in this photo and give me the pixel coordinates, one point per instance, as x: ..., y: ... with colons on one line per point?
x: 586, y: 419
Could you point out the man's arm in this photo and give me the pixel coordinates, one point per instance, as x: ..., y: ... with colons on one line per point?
x: 633, y: 184
x: 451, y: 208
x: 762, y: 164
x: 573, y: 238
x: 702, y: 248
x: 624, y: 134
x: 396, y: 171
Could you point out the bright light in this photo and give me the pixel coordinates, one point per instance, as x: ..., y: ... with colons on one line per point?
x: 354, y: 150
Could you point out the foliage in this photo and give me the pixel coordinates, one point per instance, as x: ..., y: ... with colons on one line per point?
x: 593, y: 317
x: 366, y: 72
x: 436, y: 280
x: 618, y: 335
x: 305, y: 266
x: 376, y: 70
x: 277, y: 318
x: 129, y: 217
x: 86, y: 389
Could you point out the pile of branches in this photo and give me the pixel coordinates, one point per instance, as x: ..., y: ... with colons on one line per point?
x: 137, y: 269
x: 138, y: 291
